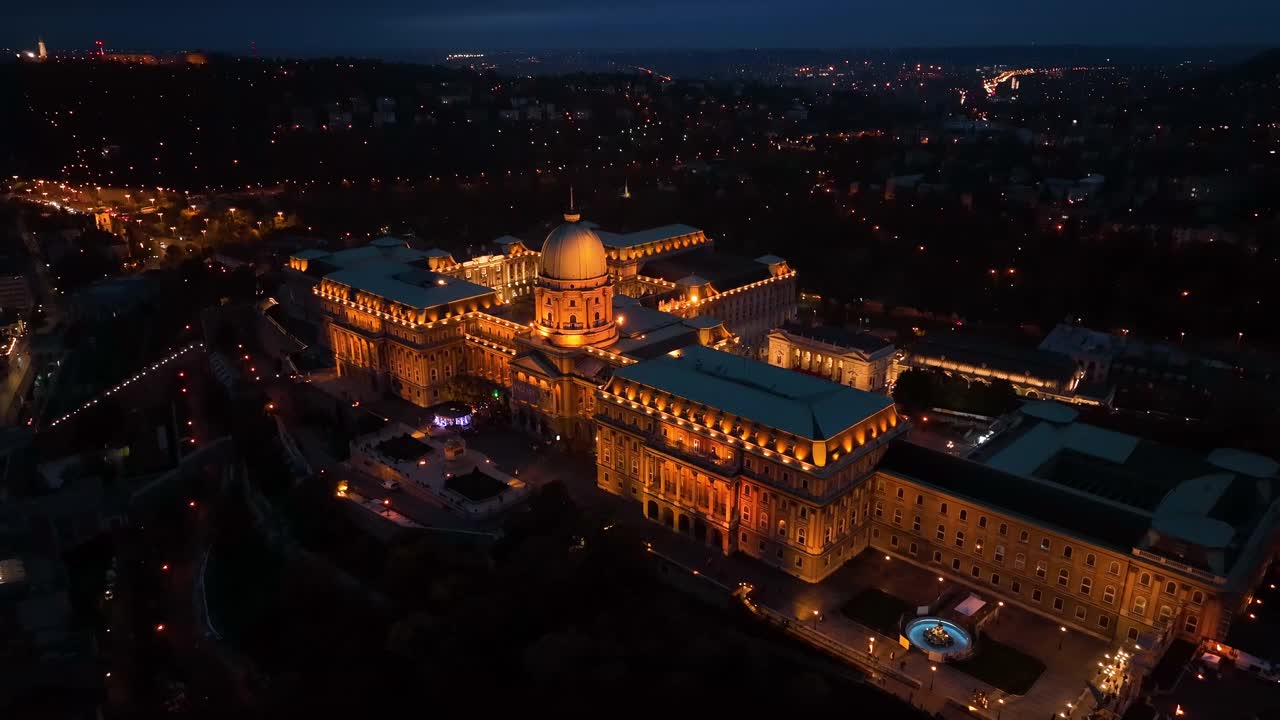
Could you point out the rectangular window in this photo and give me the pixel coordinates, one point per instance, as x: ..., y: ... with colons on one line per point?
x: 1081, y: 613
x: 913, y: 549
x: 955, y: 563
x: 893, y: 540
x: 1015, y: 587
x: 897, y: 516
x: 995, y: 579
x: 937, y: 556
x: 746, y: 514
x: 915, y: 524
x: 1057, y: 604
x: 879, y: 509
x: 942, y: 532
x: 1103, y: 621
x: 975, y: 571
x: 1036, y: 595
x: 919, y: 499
x: 1019, y: 562
x: 1042, y: 569
x: 999, y: 554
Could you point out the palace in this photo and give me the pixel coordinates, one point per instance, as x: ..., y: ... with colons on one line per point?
x: 640, y: 346
x: 548, y: 324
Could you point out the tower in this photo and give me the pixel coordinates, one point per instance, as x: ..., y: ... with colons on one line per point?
x: 41, y: 51
x: 573, y: 294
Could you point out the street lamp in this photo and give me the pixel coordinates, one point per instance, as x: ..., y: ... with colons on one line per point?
x: 815, y: 620
x: 1061, y: 635
x: 933, y: 674
x: 1000, y: 708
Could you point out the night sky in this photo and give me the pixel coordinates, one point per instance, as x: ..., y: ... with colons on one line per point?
x: 399, y: 25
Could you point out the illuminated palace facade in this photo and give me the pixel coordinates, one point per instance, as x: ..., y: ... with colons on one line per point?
x: 632, y: 346
x: 550, y: 325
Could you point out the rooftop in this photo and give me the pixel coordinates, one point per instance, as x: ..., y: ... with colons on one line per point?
x: 1072, y: 512
x: 723, y: 271
x: 642, y: 237
x: 802, y: 405
x: 839, y: 337
x: 983, y: 352
x: 394, y: 281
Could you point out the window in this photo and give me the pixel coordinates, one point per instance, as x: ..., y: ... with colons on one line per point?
x: 1171, y: 588
x: 975, y: 571
x: 1042, y: 569
x: 799, y: 560
x: 1019, y: 562
x: 897, y: 516
x: 804, y: 513
x: 995, y: 579
x: 1024, y: 536
x: 942, y: 508
x: 879, y: 509
x: 893, y: 540
x: 782, y: 528
x: 1015, y: 587
x: 746, y: 491
x: 964, y: 515
x: 1144, y: 579
x: 1066, y: 552
x: 1197, y: 598
x: 1086, y: 586
x: 913, y: 549
x: 1132, y: 634
x: 937, y: 556
x: 982, y: 521
x: 1091, y: 560
x: 1166, y: 614
x: 1139, y: 606
x: 1103, y: 621
x: 1109, y: 594
x: 999, y: 554
x: 1036, y: 595
x: 1064, y: 577
x: 919, y: 499
x: 955, y: 563
x: 1190, y: 624
x: 901, y: 493
x: 746, y: 514
x: 959, y: 538
x: 1004, y: 529
x: 1057, y: 604
x: 1045, y: 544
x: 761, y: 546
x: 977, y: 546
x: 942, y: 532
x: 875, y: 532
x: 1113, y: 568
x: 800, y: 536
x: 880, y: 485
x: 1081, y: 613
x: 915, y: 524
x: 743, y: 537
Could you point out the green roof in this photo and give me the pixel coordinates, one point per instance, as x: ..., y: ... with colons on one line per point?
x: 786, y: 400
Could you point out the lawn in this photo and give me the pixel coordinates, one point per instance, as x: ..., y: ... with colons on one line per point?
x: 878, y: 610
x: 1002, y: 666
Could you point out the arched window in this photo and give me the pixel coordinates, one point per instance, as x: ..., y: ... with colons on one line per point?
x: 548, y: 320
x: 1139, y: 606
x: 573, y: 320
x: 1170, y: 588
x: 1144, y: 579
x: 597, y: 318
x: 548, y: 302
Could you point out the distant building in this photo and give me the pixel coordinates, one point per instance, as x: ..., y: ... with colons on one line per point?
x: 15, y: 292
x: 859, y: 360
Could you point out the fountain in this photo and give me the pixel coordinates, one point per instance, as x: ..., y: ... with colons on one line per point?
x: 941, y: 639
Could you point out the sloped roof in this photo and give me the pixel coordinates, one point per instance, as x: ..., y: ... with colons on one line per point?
x: 802, y: 405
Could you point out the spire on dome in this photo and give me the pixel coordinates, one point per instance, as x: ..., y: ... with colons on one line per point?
x: 572, y: 215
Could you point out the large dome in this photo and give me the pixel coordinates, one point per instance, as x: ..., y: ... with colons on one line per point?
x: 573, y: 252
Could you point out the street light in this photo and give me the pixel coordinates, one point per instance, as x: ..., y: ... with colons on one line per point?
x: 815, y: 620
x: 1061, y: 635
x: 1000, y: 709
x: 933, y: 674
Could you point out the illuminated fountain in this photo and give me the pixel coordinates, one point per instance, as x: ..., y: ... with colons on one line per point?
x: 941, y: 639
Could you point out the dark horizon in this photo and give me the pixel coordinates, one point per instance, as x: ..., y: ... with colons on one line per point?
x: 389, y: 26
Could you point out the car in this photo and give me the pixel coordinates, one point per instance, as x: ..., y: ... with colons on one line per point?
x: 390, y: 484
